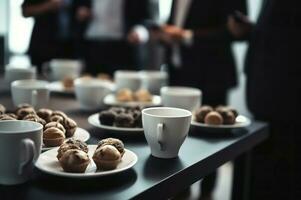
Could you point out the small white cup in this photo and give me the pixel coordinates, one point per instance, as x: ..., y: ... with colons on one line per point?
x: 58, y: 69
x: 34, y: 92
x: 165, y: 130
x: 181, y: 97
x: 16, y: 73
x: 153, y: 80
x: 127, y: 79
x: 20, y: 147
x: 91, y: 92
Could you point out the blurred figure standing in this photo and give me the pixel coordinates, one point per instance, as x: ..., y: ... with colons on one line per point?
x: 200, y: 54
x: 115, y: 32
x: 59, y: 24
x: 273, y: 69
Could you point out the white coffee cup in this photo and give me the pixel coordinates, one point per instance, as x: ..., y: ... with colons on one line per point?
x: 153, y: 80
x: 34, y: 92
x: 181, y: 97
x: 17, y: 73
x: 91, y: 92
x: 20, y: 147
x: 165, y: 130
x: 58, y: 69
x: 127, y: 79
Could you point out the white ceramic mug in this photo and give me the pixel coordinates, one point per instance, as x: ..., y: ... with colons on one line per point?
x: 153, y: 80
x: 58, y: 69
x: 17, y: 73
x: 165, y: 130
x: 91, y: 92
x: 181, y: 97
x: 127, y: 79
x: 34, y: 92
x: 20, y: 147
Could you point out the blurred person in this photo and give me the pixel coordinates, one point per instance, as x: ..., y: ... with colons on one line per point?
x: 273, y: 69
x: 114, y: 35
x: 200, y: 54
x: 58, y: 27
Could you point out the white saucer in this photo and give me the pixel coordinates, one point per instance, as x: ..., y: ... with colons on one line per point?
x: 57, y: 86
x: 110, y: 100
x: 241, y: 122
x: 94, y: 121
x: 80, y: 134
x: 49, y: 164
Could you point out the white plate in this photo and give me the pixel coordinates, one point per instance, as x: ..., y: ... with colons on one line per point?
x: 241, y: 122
x: 93, y: 120
x: 49, y: 164
x: 112, y: 101
x: 57, y: 86
x: 80, y: 134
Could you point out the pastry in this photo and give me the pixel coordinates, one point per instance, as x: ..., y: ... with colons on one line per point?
x: 23, y: 111
x: 214, y: 118
x: 118, y: 144
x: 124, y: 95
x: 228, y: 117
x: 107, y: 117
x: 68, y: 82
x: 142, y: 95
x: 7, y: 117
x: 56, y: 125
x: 72, y: 144
x: 59, y: 113
x: 106, y: 157
x: 201, y: 113
x: 117, y: 110
x: 70, y: 126
x: 57, y: 118
x: 53, y: 137
x: 124, y: 120
x: 34, y: 118
x: 137, y: 115
x: 45, y: 114
x: 75, y: 161
x: 2, y: 109
x: 104, y: 76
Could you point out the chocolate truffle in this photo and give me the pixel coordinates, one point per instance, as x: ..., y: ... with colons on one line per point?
x: 118, y: 144
x: 107, y: 118
x: 214, y: 118
x: 75, y: 161
x: 137, y: 115
x: 124, y: 120
x: 117, y: 110
x: 228, y: 117
x: 106, y: 157
x: 201, y: 113
x: 72, y: 144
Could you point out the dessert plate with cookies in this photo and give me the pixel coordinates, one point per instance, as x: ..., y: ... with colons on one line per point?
x: 124, y: 120
x: 220, y: 118
x: 127, y: 97
x: 76, y: 159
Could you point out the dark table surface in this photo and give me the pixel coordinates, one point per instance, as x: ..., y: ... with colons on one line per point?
x: 150, y: 178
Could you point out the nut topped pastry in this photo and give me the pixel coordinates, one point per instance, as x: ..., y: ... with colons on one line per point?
x: 143, y: 95
x: 34, y: 118
x: 45, y: 114
x: 75, y: 161
x: 202, y: 112
x: 2, y: 109
x: 72, y: 144
x: 8, y: 116
x: 56, y: 125
x: 214, y: 118
x: 58, y: 116
x: 23, y: 111
x: 125, y: 95
x: 53, y: 137
x: 70, y: 126
x: 118, y: 144
x: 106, y: 157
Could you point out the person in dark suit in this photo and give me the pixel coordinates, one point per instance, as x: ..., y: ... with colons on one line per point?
x: 115, y: 33
x: 199, y: 52
x: 273, y: 69
x: 58, y: 25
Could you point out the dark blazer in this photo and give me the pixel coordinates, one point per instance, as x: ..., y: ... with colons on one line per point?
x: 209, y: 62
x: 273, y: 64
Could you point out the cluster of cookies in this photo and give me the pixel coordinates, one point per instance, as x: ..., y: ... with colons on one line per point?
x: 216, y: 116
x: 57, y: 125
x: 73, y: 155
x: 127, y: 95
x: 68, y: 82
x: 128, y: 117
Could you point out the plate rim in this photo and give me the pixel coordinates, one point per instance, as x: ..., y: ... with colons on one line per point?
x: 223, y: 126
x: 90, y: 174
x: 111, y: 128
x: 132, y: 103
x: 65, y: 91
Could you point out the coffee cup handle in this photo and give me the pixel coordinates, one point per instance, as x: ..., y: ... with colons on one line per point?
x: 160, y: 136
x: 29, y: 147
x: 34, y: 98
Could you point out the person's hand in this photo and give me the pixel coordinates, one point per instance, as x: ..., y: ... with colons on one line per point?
x: 241, y: 28
x: 54, y: 5
x: 83, y: 13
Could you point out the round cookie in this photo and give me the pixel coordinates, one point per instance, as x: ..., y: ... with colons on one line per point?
x: 214, y: 118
